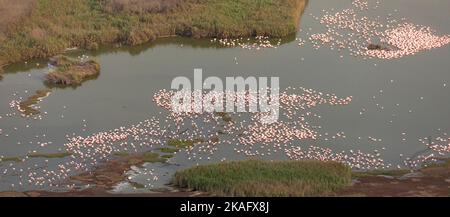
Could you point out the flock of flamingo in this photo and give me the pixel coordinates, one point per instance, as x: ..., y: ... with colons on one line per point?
x: 350, y: 30
x: 256, y: 43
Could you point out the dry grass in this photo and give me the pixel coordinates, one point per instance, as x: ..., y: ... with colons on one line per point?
x: 264, y: 178
x: 12, y: 11
x: 140, y: 6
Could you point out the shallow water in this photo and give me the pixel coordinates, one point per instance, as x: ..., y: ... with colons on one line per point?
x: 122, y: 94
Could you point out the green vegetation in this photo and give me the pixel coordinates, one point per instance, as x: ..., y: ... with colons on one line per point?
x: 37, y: 155
x: 167, y: 156
x: 150, y: 157
x: 168, y: 150
x: 26, y: 106
x: 146, y: 157
x: 14, y: 159
x: 182, y: 143
x: 51, y: 155
x: 264, y: 178
x: 48, y: 27
x: 72, y: 72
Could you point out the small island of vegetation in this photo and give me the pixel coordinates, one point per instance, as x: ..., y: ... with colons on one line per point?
x: 27, y: 106
x: 265, y: 178
x: 71, y: 72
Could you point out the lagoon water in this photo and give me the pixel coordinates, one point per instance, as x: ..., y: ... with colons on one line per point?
x: 122, y: 94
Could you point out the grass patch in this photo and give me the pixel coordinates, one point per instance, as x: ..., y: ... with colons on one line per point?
x: 37, y: 155
x: 26, y: 106
x: 393, y: 173
x: 183, y: 143
x: 121, y: 154
x: 71, y: 72
x: 13, y: 159
x: 264, y: 178
x: 147, y: 157
x: 48, y: 27
x: 167, y: 156
x: 150, y: 157
x: 52, y: 155
x: 168, y: 150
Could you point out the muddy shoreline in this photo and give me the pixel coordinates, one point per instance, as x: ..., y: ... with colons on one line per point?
x: 433, y: 181
x: 102, y: 179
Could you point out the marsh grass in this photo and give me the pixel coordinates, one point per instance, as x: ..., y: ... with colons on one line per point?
x: 26, y: 106
x: 121, y: 154
x: 72, y: 72
x: 168, y: 150
x: 265, y: 178
x: 146, y: 157
x: 51, y: 155
x: 183, y: 143
x: 48, y: 27
x: 150, y: 157
x: 12, y: 12
x: 13, y: 159
x: 393, y: 173
x: 19, y: 159
x: 167, y: 156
